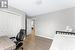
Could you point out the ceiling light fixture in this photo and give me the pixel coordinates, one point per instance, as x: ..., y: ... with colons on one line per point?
x: 39, y: 2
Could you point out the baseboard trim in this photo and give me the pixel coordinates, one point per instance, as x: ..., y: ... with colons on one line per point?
x: 44, y: 37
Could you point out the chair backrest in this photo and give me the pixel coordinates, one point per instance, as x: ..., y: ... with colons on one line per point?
x: 20, y: 36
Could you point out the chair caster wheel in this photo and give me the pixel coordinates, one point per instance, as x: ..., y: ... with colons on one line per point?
x: 22, y: 48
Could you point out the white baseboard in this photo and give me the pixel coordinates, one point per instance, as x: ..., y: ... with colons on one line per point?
x: 44, y: 37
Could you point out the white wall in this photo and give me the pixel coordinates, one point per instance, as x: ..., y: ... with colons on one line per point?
x: 10, y: 24
x: 48, y: 24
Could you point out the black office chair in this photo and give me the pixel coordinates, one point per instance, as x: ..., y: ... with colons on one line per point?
x: 19, y: 38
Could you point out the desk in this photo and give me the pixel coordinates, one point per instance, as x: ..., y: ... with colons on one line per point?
x: 6, y: 43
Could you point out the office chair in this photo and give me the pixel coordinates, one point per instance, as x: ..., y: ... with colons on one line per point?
x: 19, y: 38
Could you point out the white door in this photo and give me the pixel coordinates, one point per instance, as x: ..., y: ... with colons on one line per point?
x: 29, y: 25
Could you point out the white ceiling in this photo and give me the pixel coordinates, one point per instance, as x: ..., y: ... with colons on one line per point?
x: 37, y: 7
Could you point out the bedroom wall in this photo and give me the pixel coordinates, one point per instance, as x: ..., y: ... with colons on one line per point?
x: 48, y: 24
x: 10, y: 23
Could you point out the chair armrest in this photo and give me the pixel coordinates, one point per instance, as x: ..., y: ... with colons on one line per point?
x: 12, y: 37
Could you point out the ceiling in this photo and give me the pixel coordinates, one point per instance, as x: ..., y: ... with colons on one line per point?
x: 38, y: 7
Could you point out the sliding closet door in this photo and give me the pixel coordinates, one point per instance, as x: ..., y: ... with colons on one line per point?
x: 10, y: 24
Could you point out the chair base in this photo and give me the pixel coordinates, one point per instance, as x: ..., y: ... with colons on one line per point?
x: 19, y: 46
